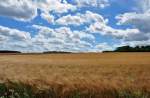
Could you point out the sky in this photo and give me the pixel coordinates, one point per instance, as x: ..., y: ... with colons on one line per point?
x: 73, y: 25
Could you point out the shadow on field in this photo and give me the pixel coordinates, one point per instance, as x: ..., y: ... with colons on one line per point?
x: 21, y: 90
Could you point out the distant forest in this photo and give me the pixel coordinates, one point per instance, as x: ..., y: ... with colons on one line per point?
x: 131, y: 49
x: 56, y: 52
x: 9, y: 51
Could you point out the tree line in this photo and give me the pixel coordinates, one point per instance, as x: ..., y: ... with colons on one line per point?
x: 133, y: 49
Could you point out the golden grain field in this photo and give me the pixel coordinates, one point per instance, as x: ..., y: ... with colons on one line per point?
x: 97, y: 72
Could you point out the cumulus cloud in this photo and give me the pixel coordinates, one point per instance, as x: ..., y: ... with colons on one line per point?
x: 54, y: 5
x: 135, y: 43
x: 90, y: 3
x: 13, y: 34
x: 99, y: 25
x: 62, y: 39
x: 139, y: 20
x: 80, y: 19
x: 83, y: 35
x: 49, y: 18
x: 23, y: 10
x: 13, y: 39
x: 46, y: 39
x: 62, y: 6
x: 26, y: 10
x: 143, y: 5
x: 103, y: 29
x: 65, y: 38
x: 70, y: 20
x: 103, y: 47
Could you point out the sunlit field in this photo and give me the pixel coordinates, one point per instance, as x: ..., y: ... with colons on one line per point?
x: 101, y: 75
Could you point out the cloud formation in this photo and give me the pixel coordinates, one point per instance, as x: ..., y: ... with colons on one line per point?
x: 80, y: 19
x: 94, y: 3
x: 139, y: 20
x: 72, y: 26
x: 13, y: 39
x: 23, y: 10
x: 56, y: 6
x: 46, y: 16
x: 14, y: 34
x: 62, y: 39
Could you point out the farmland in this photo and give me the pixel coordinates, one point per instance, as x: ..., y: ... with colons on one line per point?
x: 85, y: 75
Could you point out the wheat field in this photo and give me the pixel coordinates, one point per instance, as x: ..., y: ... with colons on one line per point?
x: 82, y: 75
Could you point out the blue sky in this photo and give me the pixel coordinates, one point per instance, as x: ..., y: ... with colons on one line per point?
x: 73, y: 25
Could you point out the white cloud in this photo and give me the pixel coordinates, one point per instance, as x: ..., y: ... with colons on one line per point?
x: 104, y: 29
x: 80, y: 19
x: 134, y: 43
x: 49, y: 18
x: 13, y: 39
x: 54, y: 5
x: 103, y: 47
x: 62, y: 6
x: 62, y: 39
x: 23, y: 10
x: 2, y: 38
x: 92, y: 3
x: 139, y: 20
x: 143, y: 5
x: 83, y: 35
x: 26, y: 10
x: 70, y: 20
x: 14, y: 34
x: 64, y: 33
x: 99, y: 25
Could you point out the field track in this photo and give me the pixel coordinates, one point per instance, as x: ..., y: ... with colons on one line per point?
x: 68, y: 72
